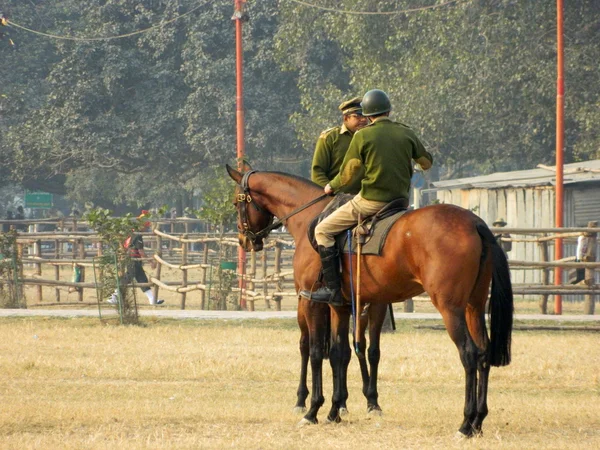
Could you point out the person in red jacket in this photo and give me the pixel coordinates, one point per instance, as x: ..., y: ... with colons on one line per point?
x: 135, y: 245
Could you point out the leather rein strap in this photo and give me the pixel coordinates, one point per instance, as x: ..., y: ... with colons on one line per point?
x: 246, y: 198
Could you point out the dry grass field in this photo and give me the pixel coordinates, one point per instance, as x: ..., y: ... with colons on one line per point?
x: 79, y: 383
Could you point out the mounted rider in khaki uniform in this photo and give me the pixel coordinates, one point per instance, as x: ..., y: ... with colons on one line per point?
x: 333, y: 144
x: 384, y: 150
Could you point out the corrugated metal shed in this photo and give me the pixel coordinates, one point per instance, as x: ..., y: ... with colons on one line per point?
x: 525, y: 199
x: 581, y: 172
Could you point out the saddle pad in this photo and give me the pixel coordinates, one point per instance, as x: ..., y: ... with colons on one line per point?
x: 376, y: 239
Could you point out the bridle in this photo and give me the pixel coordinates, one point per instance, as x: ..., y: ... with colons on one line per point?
x: 245, y: 198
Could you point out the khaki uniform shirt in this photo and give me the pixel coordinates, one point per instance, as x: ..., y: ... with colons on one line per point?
x: 384, y: 149
x: 331, y: 148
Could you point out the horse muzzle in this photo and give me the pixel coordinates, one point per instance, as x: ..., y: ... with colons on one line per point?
x: 248, y: 244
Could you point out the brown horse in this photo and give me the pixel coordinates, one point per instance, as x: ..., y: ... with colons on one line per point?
x: 443, y: 250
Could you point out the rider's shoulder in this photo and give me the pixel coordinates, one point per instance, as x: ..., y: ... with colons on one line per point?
x: 401, y: 124
x: 328, y: 131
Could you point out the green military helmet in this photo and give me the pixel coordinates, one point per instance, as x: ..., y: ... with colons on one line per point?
x: 375, y: 102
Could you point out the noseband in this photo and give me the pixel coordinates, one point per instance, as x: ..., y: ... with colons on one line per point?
x: 245, y: 199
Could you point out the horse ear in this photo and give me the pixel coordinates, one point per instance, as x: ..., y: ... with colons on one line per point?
x: 246, y: 167
x: 234, y: 174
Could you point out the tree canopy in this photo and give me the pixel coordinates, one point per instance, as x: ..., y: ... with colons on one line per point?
x: 145, y: 118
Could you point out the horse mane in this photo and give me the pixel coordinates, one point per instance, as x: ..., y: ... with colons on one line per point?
x: 305, y: 181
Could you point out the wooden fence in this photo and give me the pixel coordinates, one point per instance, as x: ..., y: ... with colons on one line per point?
x: 266, y: 276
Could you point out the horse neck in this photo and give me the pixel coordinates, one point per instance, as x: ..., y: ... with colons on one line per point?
x: 281, y: 195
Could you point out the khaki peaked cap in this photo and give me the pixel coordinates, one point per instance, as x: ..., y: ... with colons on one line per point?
x: 350, y: 106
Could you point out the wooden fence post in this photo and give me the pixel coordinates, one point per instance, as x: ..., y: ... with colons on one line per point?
x: 279, y: 282
x: 184, y: 261
x: 545, y: 275
x: 81, y: 246
x: 57, y: 269
x: 20, y: 268
x: 37, y: 251
x: 203, y: 276
x: 158, y: 265
x: 590, y: 256
x: 250, y: 276
x: 264, y: 275
x: 409, y: 305
x: 170, y: 242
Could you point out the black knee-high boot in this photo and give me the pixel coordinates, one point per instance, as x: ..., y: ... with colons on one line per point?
x: 330, y: 291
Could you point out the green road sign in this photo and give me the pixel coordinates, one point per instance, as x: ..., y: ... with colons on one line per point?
x: 38, y: 200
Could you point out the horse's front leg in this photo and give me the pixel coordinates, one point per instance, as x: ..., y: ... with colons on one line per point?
x: 317, y: 399
x: 339, y: 358
x: 302, y: 392
x: 376, y: 314
x: 317, y: 320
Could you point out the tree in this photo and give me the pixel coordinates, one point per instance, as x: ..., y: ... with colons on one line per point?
x: 476, y: 79
x: 160, y: 103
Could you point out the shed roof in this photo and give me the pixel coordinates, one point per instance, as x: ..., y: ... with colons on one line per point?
x: 580, y: 172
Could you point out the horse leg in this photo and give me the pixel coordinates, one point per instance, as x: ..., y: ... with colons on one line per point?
x: 469, y: 355
x: 377, y: 314
x: 302, y: 392
x: 359, y: 348
x: 477, y: 329
x: 318, y: 346
x: 339, y: 358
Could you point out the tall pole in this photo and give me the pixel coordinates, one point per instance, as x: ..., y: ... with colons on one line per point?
x: 560, y: 128
x: 239, y: 17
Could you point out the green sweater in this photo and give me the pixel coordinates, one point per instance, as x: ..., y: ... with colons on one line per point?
x: 384, y: 149
x: 330, y: 150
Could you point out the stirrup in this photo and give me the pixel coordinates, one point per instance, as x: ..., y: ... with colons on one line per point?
x: 333, y: 297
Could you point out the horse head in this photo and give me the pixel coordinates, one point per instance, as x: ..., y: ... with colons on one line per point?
x: 253, y: 220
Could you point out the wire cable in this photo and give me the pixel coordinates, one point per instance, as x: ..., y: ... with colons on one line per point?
x: 377, y: 13
x: 107, y: 38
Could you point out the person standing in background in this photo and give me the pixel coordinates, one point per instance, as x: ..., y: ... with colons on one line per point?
x: 503, y: 239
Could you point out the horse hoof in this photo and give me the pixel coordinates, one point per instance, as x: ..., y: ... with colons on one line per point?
x: 304, y: 422
x: 298, y: 410
x: 374, y: 412
x: 460, y: 436
x: 338, y: 419
x: 343, y: 412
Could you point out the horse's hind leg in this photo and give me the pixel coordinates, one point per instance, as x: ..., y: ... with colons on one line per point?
x: 456, y: 325
x: 359, y: 348
x: 476, y: 326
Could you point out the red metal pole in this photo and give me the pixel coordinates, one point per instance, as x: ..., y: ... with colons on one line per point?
x: 560, y: 128
x: 238, y: 17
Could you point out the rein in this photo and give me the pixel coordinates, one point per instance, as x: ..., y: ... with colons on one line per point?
x: 246, y: 198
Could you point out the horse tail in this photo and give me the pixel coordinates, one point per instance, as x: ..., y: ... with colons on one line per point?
x: 501, y: 301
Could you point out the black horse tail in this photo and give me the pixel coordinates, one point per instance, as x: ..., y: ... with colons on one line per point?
x: 501, y: 301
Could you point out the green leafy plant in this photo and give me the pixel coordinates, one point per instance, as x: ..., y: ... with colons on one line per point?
x: 115, y: 259
x: 11, y: 292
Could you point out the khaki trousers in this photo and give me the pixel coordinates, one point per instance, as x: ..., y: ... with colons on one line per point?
x: 345, y: 217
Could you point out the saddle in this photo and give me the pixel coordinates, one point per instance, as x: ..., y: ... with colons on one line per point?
x: 373, y: 230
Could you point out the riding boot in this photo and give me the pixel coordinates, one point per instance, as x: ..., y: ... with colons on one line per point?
x: 330, y: 292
